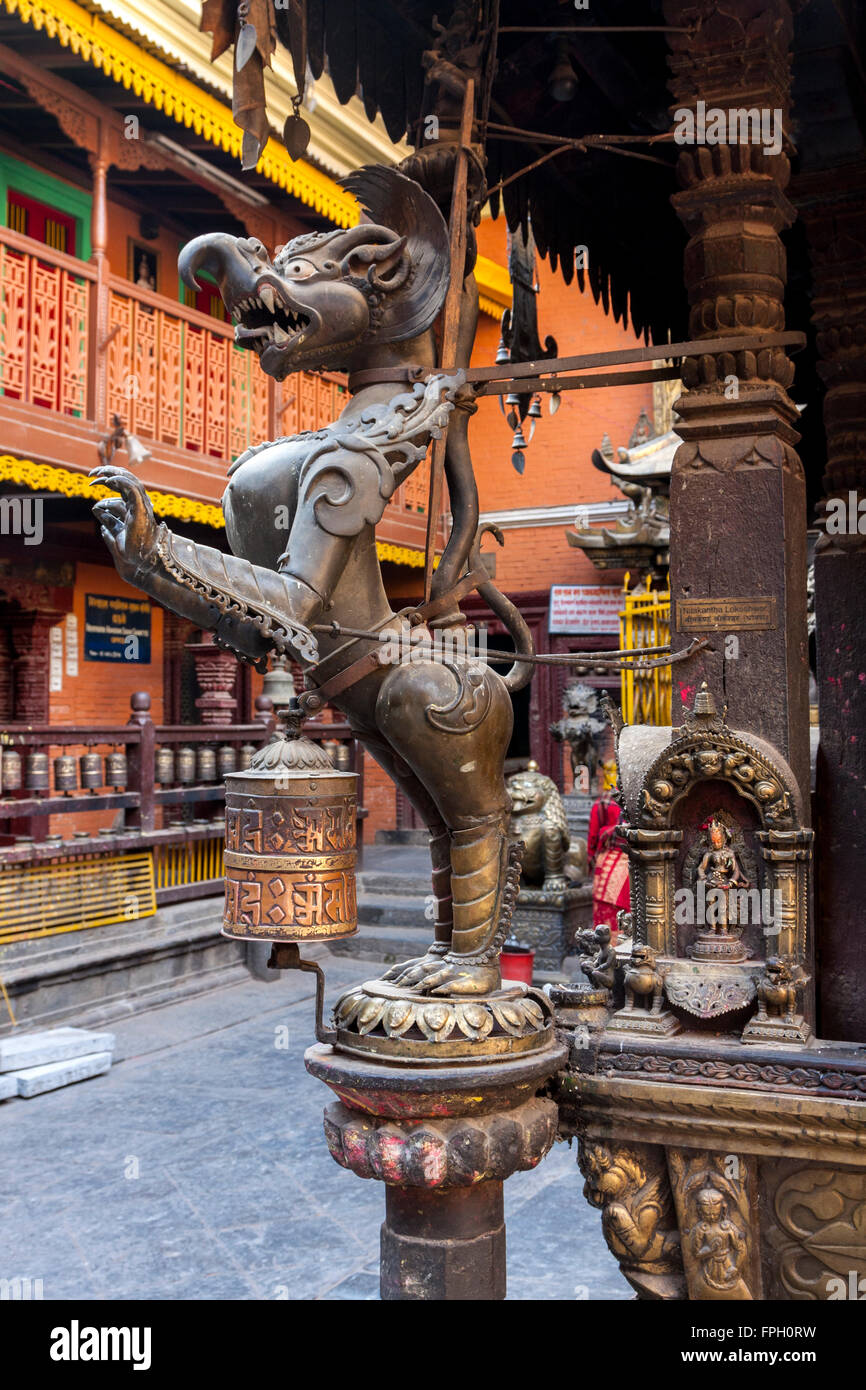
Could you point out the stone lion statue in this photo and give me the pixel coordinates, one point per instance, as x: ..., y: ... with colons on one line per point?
x: 551, y: 859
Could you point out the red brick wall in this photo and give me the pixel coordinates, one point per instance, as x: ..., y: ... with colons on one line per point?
x: 380, y: 799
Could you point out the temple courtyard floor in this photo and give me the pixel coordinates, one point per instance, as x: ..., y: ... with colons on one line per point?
x: 197, y: 1169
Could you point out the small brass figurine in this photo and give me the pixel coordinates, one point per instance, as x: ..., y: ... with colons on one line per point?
x: 720, y: 871
x: 598, y: 962
x: 776, y: 1018
x: 644, y: 982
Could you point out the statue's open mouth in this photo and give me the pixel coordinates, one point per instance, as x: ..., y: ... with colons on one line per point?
x: 268, y: 319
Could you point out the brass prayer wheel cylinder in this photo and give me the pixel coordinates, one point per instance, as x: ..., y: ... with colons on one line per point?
x: 290, y: 846
x: 184, y: 767
x: 115, y: 769
x: 37, y: 772
x: 90, y: 766
x: 227, y: 760
x: 11, y: 770
x: 248, y: 751
x: 206, y: 764
x: 164, y: 766
x: 343, y: 757
x: 65, y: 773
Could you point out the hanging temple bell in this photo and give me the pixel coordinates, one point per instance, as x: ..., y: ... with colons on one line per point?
x: 290, y: 843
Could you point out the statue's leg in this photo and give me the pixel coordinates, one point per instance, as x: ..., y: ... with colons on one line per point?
x: 453, y: 730
x: 440, y: 845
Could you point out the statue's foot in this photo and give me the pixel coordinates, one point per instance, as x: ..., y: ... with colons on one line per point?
x: 409, y: 972
x: 556, y: 883
x: 458, y: 976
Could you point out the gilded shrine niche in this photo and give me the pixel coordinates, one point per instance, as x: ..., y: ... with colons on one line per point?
x: 719, y: 862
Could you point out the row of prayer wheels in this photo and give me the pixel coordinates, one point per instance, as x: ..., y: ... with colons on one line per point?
x: 33, y: 772
x: 185, y: 766
x: 188, y: 766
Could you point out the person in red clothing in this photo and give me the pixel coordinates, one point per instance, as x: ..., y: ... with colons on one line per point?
x: 607, y: 860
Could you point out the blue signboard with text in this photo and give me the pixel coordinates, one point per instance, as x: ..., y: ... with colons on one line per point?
x: 116, y: 629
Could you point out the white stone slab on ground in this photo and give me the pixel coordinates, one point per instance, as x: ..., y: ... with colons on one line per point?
x: 51, y: 1045
x: 35, y: 1080
x: 8, y: 1087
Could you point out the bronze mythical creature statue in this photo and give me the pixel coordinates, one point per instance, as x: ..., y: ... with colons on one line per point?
x: 363, y: 301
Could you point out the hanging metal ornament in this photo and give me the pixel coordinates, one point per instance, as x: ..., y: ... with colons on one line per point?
x: 512, y: 400
x: 296, y: 132
x: 518, y: 445
x: 502, y: 353
x: 247, y: 38
x: 250, y: 151
x: 533, y: 415
x: 555, y: 402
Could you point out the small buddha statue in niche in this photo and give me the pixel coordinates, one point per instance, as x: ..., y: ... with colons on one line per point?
x: 720, y: 869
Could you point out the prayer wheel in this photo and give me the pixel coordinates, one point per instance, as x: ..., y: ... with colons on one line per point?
x: 115, y: 769
x: 37, y: 772
x: 90, y: 765
x: 184, y: 769
x: 65, y: 773
x: 343, y: 757
x: 248, y: 752
x: 206, y: 763
x: 11, y: 770
x: 164, y: 768
x: 290, y: 844
x: 227, y: 760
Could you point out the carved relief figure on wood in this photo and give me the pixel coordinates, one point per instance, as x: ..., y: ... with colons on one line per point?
x: 300, y: 517
x: 630, y: 1186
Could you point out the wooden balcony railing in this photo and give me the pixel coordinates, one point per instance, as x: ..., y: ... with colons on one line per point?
x: 46, y: 302
x: 184, y: 853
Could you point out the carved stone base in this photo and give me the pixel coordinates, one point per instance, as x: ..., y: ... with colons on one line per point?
x: 577, y: 812
x: 793, y: 1029
x: 549, y: 922
x: 661, y: 1025
x: 385, y: 1020
x: 443, y: 1140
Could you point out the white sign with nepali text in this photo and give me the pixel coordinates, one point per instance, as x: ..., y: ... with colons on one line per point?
x: 585, y: 608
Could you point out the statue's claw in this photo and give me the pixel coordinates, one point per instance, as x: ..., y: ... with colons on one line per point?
x: 456, y: 976
x: 409, y: 972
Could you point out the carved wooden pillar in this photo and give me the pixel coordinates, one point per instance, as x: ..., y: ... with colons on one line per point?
x: 217, y: 674
x: 833, y: 207
x: 738, y: 504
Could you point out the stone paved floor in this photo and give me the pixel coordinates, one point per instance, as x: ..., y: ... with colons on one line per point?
x: 197, y: 1169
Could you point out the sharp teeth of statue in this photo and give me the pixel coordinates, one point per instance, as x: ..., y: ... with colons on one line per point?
x: 266, y: 295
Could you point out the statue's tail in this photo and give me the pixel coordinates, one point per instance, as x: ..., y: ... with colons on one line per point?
x: 521, y: 673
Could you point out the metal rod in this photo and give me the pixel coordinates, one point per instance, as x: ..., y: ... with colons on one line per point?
x: 451, y: 319
x: 286, y: 955
x: 695, y: 347
x: 598, y: 29
x: 581, y: 383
